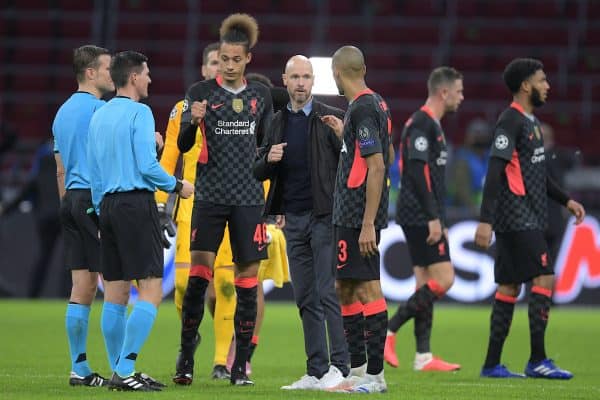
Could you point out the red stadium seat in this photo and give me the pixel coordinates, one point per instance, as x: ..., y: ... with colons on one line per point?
x: 422, y: 33
x: 413, y: 8
x: 171, y: 31
x: 469, y: 61
x: 135, y: 30
x: 342, y: 34
x: 77, y: 29
x: 42, y: 28
x: 521, y: 35
x: 75, y: 5
x: 31, y: 56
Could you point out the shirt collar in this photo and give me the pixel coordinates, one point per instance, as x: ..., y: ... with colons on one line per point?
x: 307, y: 109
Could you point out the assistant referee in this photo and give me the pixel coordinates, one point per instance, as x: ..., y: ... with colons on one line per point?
x: 124, y: 174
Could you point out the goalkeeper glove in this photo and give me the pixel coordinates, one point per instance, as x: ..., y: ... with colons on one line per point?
x: 167, y: 225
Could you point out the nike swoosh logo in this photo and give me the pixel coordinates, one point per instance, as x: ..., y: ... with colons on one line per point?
x: 341, y: 266
x: 261, y: 247
x: 216, y: 106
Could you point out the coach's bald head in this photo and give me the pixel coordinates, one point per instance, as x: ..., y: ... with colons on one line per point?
x: 298, y: 61
x: 299, y: 80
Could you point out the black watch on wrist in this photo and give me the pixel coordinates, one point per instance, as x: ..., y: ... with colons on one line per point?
x: 178, y: 186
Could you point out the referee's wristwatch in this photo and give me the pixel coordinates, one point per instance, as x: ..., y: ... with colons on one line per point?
x: 178, y: 186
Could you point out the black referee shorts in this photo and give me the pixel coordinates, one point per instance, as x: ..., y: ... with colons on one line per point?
x: 82, y: 246
x: 521, y: 256
x: 350, y: 263
x: 130, y: 234
x: 421, y: 253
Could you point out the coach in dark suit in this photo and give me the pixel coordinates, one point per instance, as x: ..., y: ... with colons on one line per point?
x: 300, y: 156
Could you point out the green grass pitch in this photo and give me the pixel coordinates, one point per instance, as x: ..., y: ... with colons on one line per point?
x: 34, y: 362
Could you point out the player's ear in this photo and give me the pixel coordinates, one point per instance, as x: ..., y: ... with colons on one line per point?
x: 248, y: 57
x: 526, y: 86
x: 444, y: 92
x: 284, y: 79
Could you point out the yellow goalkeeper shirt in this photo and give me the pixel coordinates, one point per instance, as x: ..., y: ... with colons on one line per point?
x: 182, y: 212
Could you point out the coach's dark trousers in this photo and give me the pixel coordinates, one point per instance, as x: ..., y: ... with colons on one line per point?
x: 310, y: 252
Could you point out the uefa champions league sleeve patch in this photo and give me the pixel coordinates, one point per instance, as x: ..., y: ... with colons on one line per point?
x: 421, y: 143
x: 504, y: 144
x: 501, y: 142
x: 173, y: 113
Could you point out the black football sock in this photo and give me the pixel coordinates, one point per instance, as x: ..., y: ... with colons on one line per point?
x: 501, y: 319
x: 539, y: 309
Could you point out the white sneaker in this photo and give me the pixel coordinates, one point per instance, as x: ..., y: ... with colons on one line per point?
x: 355, y: 375
x: 332, y: 378
x: 358, y: 371
x: 307, y: 382
x: 370, y: 384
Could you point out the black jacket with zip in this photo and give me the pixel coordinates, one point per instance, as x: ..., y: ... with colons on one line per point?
x: 323, y: 158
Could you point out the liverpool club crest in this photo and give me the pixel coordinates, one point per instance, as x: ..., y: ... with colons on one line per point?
x: 237, y: 105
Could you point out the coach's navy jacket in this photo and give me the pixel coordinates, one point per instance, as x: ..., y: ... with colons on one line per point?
x: 324, y: 153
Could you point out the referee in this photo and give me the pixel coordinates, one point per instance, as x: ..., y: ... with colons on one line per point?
x: 124, y: 176
x: 82, y: 247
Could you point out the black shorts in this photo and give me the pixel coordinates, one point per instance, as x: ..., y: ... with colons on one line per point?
x: 130, y: 236
x: 521, y: 256
x: 421, y: 253
x: 247, y: 230
x: 82, y: 246
x: 350, y: 264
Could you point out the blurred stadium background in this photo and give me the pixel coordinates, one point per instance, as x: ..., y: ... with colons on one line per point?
x: 402, y: 41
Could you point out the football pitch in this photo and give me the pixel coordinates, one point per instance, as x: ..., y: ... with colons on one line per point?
x: 34, y: 361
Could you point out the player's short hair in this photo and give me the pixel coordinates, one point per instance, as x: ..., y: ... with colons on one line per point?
x: 518, y: 70
x: 442, y: 76
x: 124, y: 64
x: 86, y: 57
x: 239, y: 29
x: 350, y: 60
x: 211, y: 47
x: 257, y: 77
